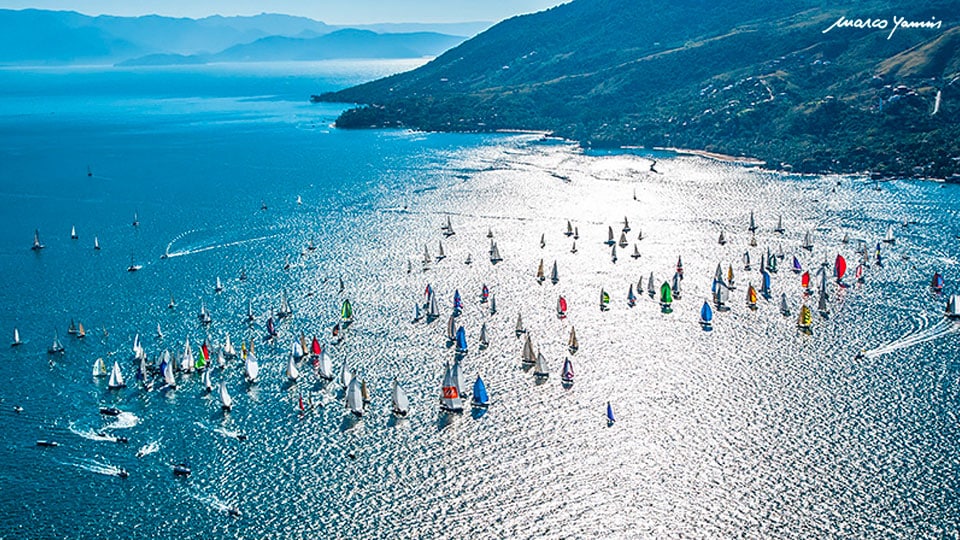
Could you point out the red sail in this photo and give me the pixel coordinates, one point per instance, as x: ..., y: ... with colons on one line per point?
x: 450, y: 392
x: 206, y: 351
x: 840, y: 267
x: 805, y: 280
x: 315, y: 346
x: 563, y: 304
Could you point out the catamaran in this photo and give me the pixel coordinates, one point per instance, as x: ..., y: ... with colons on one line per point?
x: 566, y: 373
x: 354, y: 398
x: 116, y: 378
x: 37, y: 246
x: 706, y: 315
x: 450, y: 399
x: 480, y: 397
x: 572, y: 344
x: 554, y: 274
x: 666, y: 297
x: 399, y: 399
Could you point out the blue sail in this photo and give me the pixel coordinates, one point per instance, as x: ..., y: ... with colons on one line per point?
x: 706, y: 314
x: 461, y: 340
x: 796, y: 264
x: 457, y: 301
x: 765, y: 287
x: 610, y: 418
x: 480, y: 396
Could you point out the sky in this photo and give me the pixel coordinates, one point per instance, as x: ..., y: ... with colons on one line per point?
x: 328, y: 11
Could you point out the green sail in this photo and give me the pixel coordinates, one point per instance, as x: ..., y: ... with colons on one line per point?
x: 666, y: 294
x: 346, y: 312
x: 200, y: 363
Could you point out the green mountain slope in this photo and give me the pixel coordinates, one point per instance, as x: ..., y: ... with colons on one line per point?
x: 738, y: 77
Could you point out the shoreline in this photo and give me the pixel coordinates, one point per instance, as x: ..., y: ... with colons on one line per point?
x: 726, y: 158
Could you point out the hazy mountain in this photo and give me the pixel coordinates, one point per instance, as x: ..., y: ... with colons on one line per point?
x: 348, y: 43
x: 56, y: 37
x: 734, y: 76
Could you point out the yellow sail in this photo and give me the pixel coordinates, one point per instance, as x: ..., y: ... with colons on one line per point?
x: 751, y: 295
x: 806, y: 318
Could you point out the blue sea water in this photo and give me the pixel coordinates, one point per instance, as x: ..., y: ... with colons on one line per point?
x: 749, y: 430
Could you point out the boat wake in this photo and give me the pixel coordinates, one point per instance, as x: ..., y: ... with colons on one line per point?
x: 170, y: 253
x: 92, y: 434
x: 212, y: 501
x: 228, y: 433
x: 124, y: 420
x: 148, y: 449
x: 94, y: 466
x: 943, y: 328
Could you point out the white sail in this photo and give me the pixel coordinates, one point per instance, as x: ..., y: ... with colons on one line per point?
x: 186, y: 361
x: 623, y: 239
x: 116, y: 378
x: 207, y: 383
x: 450, y: 399
x: 519, y: 328
x: 219, y: 286
x: 651, y: 286
x: 355, y: 397
x: 451, y: 329
x: 540, y: 366
x: 807, y: 241
x: 441, y: 255
x: 527, y: 356
x: 493, y: 304
x: 221, y: 359
x: 168, y: 376
x: 345, y: 375
x: 292, y: 372
x: 16, y: 337
x: 96, y: 243
x: 484, y: 341
x: 225, y: 400
x: 99, y: 368
x: 458, y: 378
x: 251, y: 368
x: 888, y: 238
x: 228, y: 349
x: 401, y: 404
x: 324, y: 365
x: 572, y: 342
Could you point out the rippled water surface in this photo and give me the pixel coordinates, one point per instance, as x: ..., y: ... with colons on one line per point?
x: 749, y: 430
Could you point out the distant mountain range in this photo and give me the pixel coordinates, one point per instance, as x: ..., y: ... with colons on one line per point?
x: 742, y: 77
x: 65, y: 37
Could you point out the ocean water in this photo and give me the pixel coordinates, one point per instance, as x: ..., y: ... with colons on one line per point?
x: 749, y: 430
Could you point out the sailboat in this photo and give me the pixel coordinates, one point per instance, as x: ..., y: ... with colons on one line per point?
x: 416, y: 312
x: 610, y: 240
x: 167, y: 369
x: 251, y: 368
x: 204, y: 315
x: 631, y: 298
x: 561, y: 307
x: 99, y: 368
x: 569, y: 229
x: 457, y: 303
x: 364, y: 392
x: 271, y: 330
x: 441, y: 255
x: 219, y: 286
x: 604, y: 300
x: 448, y: 228
x: 636, y: 252
x: 888, y: 238
x: 572, y: 344
x: 753, y: 240
x: 468, y: 260
x: 566, y: 373
x: 680, y: 266
x: 292, y: 372
x: 610, y: 419
x: 96, y: 243
x: 839, y: 268
x: 706, y: 315
x: 207, y: 383
x: 623, y: 240
x: 426, y: 257
x: 953, y: 307
x: 354, y: 397
x: 495, y: 256
x: 133, y: 265
x: 540, y: 275
x: 285, y: 310
x: 433, y: 311
x: 72, y: 329
x: 730, y: 283
x: 751, y: 297
x: 784, y: 306
x: 226, y: 402
x: 576, y: 233
x: 573, y: 248
x: 37, y: 246
x: 543, y: 241
x: 554, y: 274
x: 136, y: 219
x: 450, y: 399
x: 666, y: 297
x: 651, y: 288
x: 846, y: 238
x: 765, y: 284
x: 771, y: 262
x: 796, y: 266
x: 16, y: 338
x: 721, y: 294
x: 461, y: 340
x: 56, y: 347
x: 822, y: 306
x: 723, y: 240
x: 73, y: 232
x: 399, y: 399
x: 746, y: 260
x: 858, y: 273
x: 480, y: 397
x: 527, y: 357
x: 458, y: 377
x: 807, y: 242
x: 677, y: 278
x: 489, y: 233
x: 116, y: 378
x: 805, y: 283
x: 779, y: 228
x: 936, y: 283
x: 753, y: 223
x: 493, y: 304
x: 540, y: 367
x: 345, y: 375
x: 626, y: 225
x: 519, y: 329
x: 346, y: 312
x: 228, y: 349
x: 484, y: 294
x: 613, y: 253
x: 805, y: 320
x: 484, y: 340
x: 451, y: 330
